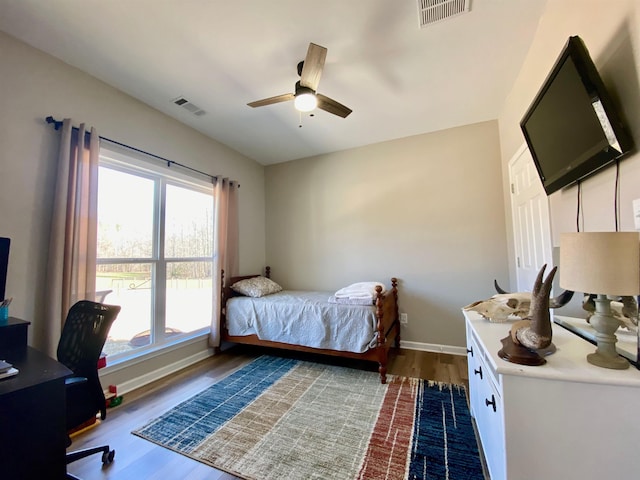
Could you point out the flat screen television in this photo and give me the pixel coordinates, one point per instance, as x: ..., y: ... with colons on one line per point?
x: 572, y: 128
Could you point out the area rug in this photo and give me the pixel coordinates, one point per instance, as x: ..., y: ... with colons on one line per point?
x: 282, y: 418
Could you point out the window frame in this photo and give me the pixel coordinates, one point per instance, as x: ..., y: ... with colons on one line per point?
x: 138, y: 164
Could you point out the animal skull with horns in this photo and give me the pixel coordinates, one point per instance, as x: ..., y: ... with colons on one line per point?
x: 505, y: 305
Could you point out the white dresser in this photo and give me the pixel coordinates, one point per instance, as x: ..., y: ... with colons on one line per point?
x: 566, y: 419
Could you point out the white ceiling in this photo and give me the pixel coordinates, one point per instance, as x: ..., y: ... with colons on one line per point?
x: 399, y: 79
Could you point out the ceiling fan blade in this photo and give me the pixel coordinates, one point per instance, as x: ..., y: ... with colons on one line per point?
x: 329, y: 105
x: 271, y: 100
x: 313, y: 65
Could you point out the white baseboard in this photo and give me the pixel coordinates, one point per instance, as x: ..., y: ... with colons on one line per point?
x: 432, y: 347
x: 141, y: 381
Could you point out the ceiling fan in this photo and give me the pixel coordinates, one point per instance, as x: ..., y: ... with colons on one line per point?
x: 306, y: 97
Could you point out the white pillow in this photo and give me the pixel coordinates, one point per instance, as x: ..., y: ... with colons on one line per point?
x: 256, y: 287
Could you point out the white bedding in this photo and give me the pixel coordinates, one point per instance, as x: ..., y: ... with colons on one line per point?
x: 303, y: 318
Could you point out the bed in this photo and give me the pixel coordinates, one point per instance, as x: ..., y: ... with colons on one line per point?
x: 308, y: 322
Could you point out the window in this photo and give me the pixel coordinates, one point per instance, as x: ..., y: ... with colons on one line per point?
x: 155, y: 253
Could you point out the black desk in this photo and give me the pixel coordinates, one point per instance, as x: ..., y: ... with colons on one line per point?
x: 33, y: 434
x: 13, y: 334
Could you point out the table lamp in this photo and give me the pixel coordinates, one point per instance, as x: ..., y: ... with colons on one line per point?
x: 602, y: 263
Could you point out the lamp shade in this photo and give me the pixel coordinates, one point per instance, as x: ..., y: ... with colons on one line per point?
x: 605, y: 263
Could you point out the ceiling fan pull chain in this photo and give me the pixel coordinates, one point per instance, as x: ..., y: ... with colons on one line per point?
x: 300, y: 123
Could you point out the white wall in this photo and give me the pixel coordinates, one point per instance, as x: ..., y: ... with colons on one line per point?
x: 34, y: 85
x: 611, y: 31
x: 426, y: 209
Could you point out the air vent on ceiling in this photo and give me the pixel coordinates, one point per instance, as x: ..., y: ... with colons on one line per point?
x: 186, y: 104
x: 434, y: 11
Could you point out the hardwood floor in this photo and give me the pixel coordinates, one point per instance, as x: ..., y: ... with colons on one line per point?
x: 141, y: 460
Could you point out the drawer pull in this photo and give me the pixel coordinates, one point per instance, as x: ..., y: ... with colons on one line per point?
x: 478, y: 372
x: 492, y: 402
x: 470, y: 350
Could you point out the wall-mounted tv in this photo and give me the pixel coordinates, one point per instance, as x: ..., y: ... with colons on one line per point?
x: 572, y: 127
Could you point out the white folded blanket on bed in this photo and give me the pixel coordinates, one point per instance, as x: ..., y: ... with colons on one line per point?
x: 362, y: 290
x: 352, y: 301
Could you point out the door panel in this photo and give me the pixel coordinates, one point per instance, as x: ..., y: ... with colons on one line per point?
x: 531, y: 225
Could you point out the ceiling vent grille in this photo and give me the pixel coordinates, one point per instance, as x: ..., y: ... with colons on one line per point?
x: 434, y: 11
x: 187, y: 105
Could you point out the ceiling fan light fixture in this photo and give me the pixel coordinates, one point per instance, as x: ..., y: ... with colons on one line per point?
x: 305, y: 97
x: 305, y: 101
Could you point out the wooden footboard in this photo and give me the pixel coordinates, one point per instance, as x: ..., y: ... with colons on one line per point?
x: 388, y: 328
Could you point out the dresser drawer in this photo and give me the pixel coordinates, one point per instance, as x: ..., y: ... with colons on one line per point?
x: 486, y: 405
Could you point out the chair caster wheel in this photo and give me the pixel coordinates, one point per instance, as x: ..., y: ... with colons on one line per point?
x: 107, y: 457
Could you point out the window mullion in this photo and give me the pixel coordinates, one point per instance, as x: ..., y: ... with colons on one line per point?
x: 160, y: 284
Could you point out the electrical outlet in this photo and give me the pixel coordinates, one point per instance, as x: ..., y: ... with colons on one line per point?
x: 404, y: 318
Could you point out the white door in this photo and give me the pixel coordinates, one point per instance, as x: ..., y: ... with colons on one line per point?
x: 531, y: 225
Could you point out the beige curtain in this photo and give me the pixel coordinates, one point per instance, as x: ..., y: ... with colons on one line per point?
x: 71, y: 269
x: 225, y: 245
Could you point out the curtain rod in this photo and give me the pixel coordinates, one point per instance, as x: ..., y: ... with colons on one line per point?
x: 57, y: 124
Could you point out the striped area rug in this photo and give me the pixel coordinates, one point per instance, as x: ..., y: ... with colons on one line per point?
x: 281, y: 418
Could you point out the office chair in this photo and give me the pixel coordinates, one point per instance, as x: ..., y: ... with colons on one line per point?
x: 83, y: 336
